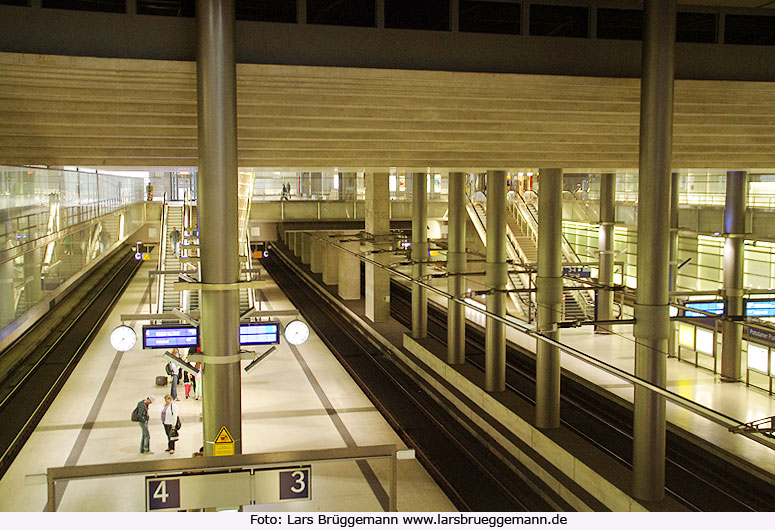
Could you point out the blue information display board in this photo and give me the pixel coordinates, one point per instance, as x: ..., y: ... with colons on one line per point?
x: 259, y: 333
x: 760, y: 308
x: 170, y: 336
x: 185, y: 336
x: 717, y: 308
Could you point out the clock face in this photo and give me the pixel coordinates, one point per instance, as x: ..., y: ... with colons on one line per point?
x: 123, y: 338
x: 296, y: 332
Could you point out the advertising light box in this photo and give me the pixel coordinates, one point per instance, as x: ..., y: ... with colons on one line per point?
x: 170, y: 336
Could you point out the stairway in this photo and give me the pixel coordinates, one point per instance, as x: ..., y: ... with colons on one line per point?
x: 171, y: 297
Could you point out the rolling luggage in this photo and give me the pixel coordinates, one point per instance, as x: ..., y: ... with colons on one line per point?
x: 161, y: 380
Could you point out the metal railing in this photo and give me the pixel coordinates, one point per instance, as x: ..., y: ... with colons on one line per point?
x: 225, y: 464
x: 162, y: 254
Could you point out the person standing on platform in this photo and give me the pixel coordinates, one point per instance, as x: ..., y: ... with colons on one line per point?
x: 169, y: 418
x: 175, y: 241
x: 198, y: 381
x: 142, y: 419
x: 174, y: 372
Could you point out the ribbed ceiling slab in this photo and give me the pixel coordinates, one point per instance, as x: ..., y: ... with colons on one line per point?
x: 58, y: 110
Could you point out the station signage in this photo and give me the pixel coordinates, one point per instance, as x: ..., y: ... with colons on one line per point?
x: 185, y: 335
x: 717, y: 308
x: 760, y: 308
x: 196, y: 490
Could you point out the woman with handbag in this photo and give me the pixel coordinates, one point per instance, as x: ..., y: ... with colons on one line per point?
x: 171, y: 422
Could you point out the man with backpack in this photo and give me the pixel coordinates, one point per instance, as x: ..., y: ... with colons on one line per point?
x: 140, y: 415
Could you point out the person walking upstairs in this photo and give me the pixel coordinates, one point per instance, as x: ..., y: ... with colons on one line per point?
x: 175, y: 241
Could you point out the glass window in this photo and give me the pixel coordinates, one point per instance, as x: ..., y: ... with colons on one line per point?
x: 686, y: 335
x: 696, y: 27
x: 749, y: 29
x: 757, y: 357
x: 107, y: 6
x: 704, y: 341
x: 410, y: 14
x: 622, y: 24
x: 489, y: 17
x: 341, y: 12
x: 559, y: 21
x: 267, y: 10
x: 169, y: 8
x: 15, y: 3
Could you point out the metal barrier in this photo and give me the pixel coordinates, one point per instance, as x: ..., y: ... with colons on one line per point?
x: 181, y: 467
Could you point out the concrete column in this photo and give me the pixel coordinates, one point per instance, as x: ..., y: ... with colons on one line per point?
x: 456, y: 266
x: 317, y: 251
x: 673, y: 253
x: 495, y: 278
x: 306, y: 248
x: 419, y: 254
x: 378, y: 225
x: 349, y: 270
x: 297, y: 244
x: 734, y: 230
x: 218, y: 215
x: 605, y: 244
x: 549, y: 298
x: 33, y: 290
x: 331, y: 265
x: 652, y: 320
x: 7, y: 302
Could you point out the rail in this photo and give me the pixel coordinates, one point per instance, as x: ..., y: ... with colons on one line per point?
x: 162, y: 253
x: 702, y: 411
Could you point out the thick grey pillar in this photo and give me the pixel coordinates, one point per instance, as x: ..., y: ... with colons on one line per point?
x: 673, y: 256
x: 652, y: 320
x: 456, y: 267
x: 7, y: 298
x: 32, y: 287
x: 306, y: 248
x: 349, y: 270
x: 734, y: 230
x: 549, y: 298
x: 419, y: 254
x: 495, y: 278
x: 378, y: 225
x: 317, y: 253
x: 298, y: 239
x: 605, y: 245
x: 219, y: 249
x: 331, y: 264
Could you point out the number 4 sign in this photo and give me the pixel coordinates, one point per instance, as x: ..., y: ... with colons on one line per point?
x: 162, y: 494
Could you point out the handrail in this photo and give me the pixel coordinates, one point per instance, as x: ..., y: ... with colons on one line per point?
x: 162, y: 253
x: 692, y: 406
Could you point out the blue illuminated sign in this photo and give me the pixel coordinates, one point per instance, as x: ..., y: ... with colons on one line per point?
x: 717, y: 308
x: 170, y: 336
x: 760, y: 308
x: 185, y: 336
x: 259, y: 333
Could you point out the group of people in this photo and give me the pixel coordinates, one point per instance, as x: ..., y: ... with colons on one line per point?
x: 170, y: 421
x: 286, y: 195
x: 170, y: 417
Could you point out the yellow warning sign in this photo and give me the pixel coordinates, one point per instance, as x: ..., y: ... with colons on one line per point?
x: 146, y: 256
x: 224, y: 443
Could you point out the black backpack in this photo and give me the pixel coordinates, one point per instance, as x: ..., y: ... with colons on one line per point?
x: 135, y: 413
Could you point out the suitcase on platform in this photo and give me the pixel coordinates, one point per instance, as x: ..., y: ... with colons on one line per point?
x: 161, y: 380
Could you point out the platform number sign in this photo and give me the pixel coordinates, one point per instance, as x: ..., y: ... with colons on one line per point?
x: 295, y: 484
x: 162, y: 494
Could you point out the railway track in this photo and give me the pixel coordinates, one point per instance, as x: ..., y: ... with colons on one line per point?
x: 31, y: 386
x: 695, y: 477
x: 466, y: 471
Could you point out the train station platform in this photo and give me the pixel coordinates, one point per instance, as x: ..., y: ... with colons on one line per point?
x: 299, y: 398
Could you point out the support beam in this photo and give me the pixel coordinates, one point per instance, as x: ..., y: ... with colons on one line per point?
x: 306, y: 248
x: 734, y: 231
x: 456, y: 266
x: 378, y: 225
x: 419, y: 253
x: 652, y: 320
x: 605, y: 297
x: 495, y: 278
x: 549, y: 297
x: 673, y: 256
x: 349, y: 271
x: 317, y: 251
x: 331, y: 264
x: 218, y: 215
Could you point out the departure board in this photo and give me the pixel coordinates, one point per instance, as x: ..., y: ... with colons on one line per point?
x: 170, y: 336
x: 259, y: 333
